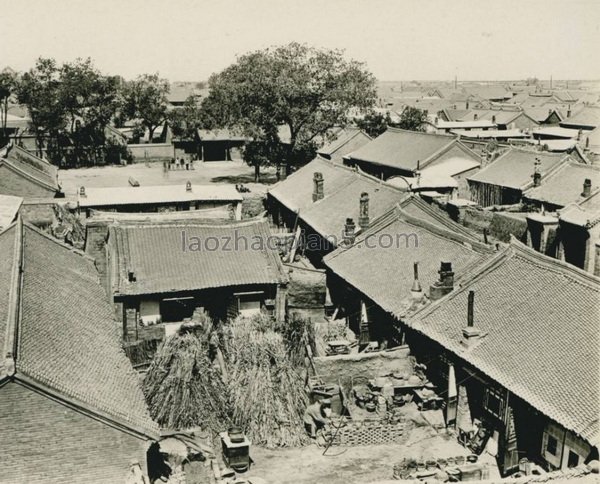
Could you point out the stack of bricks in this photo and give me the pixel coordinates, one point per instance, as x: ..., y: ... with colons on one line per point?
x: 371, y: 432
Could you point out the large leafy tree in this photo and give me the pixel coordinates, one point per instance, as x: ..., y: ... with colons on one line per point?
x: 70, y: 107
x: 306, y: 90
x: 374, y: 123
x: 185, y: 120
x: 145, y: 99
x: 39, y: 90
x: 8, y: 82
x: 89, y: 100
x: 412, y: 119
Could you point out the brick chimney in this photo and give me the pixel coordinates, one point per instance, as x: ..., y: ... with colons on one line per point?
x: 494, y: 118
x: 569, y: 112
x: 475, y: 117
x: 445, y: 284
x: 188, y: 186
x: 470, y: 333
x: 349, y: 231
x: 363, y: 217
x: 587, y: 188
x: 82, y: 192
x: 318, y: 191
x: 466, y: 105
x: 416, y: 291
x: 537, y: 176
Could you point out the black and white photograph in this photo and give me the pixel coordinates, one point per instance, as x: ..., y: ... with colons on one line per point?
x: 299, y: 241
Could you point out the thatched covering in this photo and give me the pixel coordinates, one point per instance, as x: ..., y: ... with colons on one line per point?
x: 182, y: 387
x: 267, y: 390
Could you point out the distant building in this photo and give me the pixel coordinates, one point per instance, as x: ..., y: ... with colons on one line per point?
x: 22, y: 174
x: 346, y: 141
x: 71, y: 406
x: 571, y: 183
x: 163, y: 198
x: 503, y: 181
x: 399, y: 152
x: 586, y: 119
x: 219, y: 145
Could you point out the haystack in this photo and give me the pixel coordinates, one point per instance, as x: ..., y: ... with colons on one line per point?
x: 182, y: 387
x: 266, y: 388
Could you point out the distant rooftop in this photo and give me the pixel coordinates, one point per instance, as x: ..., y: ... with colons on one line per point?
x: 110, y: 196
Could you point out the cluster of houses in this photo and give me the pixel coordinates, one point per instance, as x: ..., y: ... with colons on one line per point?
x: 481, y: 254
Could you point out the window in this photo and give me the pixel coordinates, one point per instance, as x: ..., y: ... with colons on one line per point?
x: 494, y: 403
x: 573, y: 460
x: 552, y: 445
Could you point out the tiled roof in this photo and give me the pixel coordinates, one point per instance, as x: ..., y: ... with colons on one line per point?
x: 31, y: 167
x: 155, y: 254
x: 540, y: 319
x: 7, y: 247
x: 588, y: 116
x: 514, y: 169
x: 402, y: 149
x: 68, y: 339
x: 344, y: 138
x: 541, y: 113
x: 564, y: 186
x: 488, y: 92
x: 501, y: 116
x: 109, y: 196
x: 342, y: 189
x: 385, y: 275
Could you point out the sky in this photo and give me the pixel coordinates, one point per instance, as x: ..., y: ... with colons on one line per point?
x: 187, y: 40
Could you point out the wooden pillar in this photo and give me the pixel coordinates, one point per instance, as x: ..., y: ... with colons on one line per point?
x: 280, y: 302
x: 451, y: 398
x: 238, y: 211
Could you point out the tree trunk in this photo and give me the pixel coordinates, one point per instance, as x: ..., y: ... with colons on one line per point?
x: 257, y: 173
x: 151, y: 134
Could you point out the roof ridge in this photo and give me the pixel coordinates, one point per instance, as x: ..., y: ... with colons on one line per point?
x: 401, y: 130
x: 86, y: 408
x: 79, y: 252
x: 9, y: 353
x: 130, y: 224
x: 447, y: 233
x: 553, y: 264
x: 11, y: 164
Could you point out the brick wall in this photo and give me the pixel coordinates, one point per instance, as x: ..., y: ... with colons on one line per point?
x: 343, y: 368
x: 44, y: 441
x: 13, y: 184
x: 151, y: 152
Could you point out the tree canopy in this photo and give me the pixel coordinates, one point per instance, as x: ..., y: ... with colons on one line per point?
x: 412, y: 119
x: 145, y: 99
x: 307, y: 91
x: 70, y: 107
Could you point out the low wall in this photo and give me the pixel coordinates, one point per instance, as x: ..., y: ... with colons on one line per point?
x: 345, y: 368
x: 151, y: 152
x: 500, y: 225
x: 370, y: 432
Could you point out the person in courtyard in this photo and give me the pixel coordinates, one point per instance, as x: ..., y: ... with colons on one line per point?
x: 317, y: 416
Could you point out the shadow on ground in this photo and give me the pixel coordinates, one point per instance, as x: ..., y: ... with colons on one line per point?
x: 266, y: 179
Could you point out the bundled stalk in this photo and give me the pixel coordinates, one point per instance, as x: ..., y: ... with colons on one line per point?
x: 182, y: 387
x: 267, y: 390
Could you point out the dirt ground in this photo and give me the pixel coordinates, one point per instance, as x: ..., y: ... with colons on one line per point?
x: 153, y: 174
x: 343, y: 465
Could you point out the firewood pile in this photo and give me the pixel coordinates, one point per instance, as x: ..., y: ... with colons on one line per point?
x: 267, y: 395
